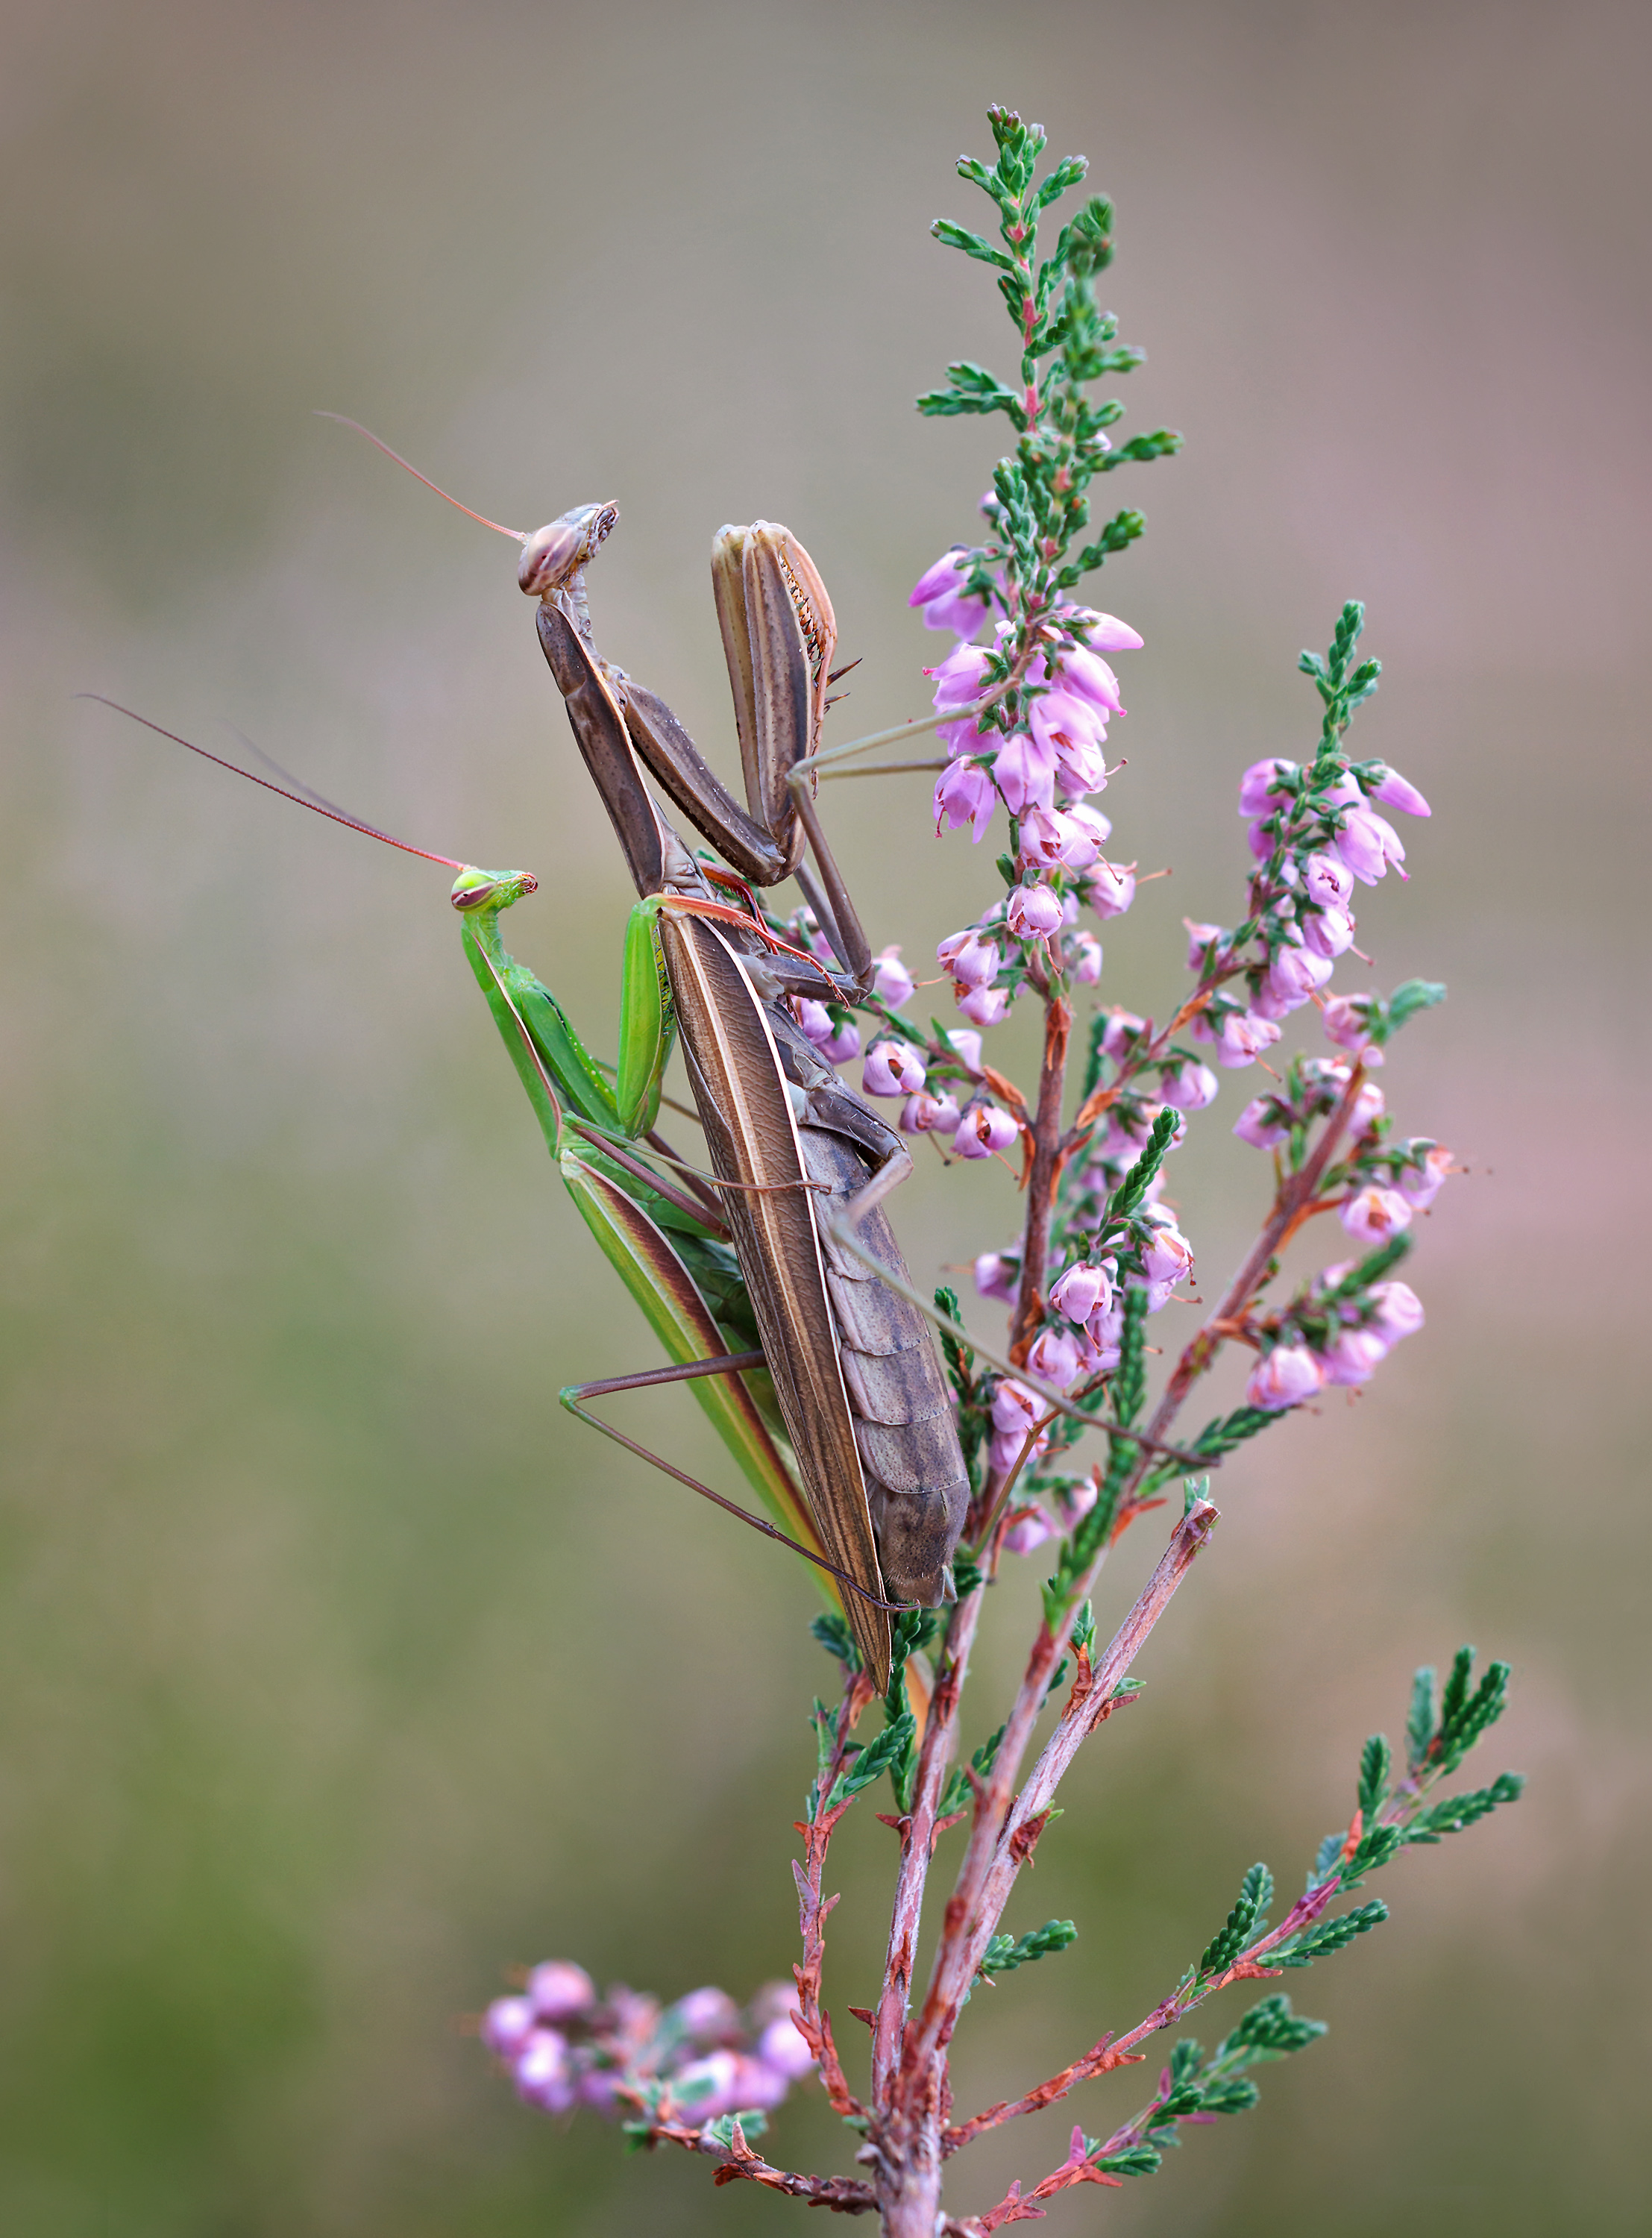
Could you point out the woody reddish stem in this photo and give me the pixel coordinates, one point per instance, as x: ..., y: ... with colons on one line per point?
x: 1046, y: 1169
x: 814, y: 2023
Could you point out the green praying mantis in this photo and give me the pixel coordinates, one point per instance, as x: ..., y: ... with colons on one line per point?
x: 774, y: 1283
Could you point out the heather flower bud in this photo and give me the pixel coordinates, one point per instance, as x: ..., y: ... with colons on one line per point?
x: 1123, y: 1030
x: 1328, y: 931
x: 815, y: 1021
x: 891, y: 983
x: 1420, y: 1186
x: 930, y: 1114
x: 1327, y: 882
x: 965, y: 794
x: 1074, y: 1499
x: 998, y: 1275
x: 1352, y: 1356
x: 542, y: 2072
x: 1398, y: 1310
x: 1084, y: 959
x: 1396, y: 791
x: 1257, y: 796
x: 985, y: 1005
x: 706, y: 2088
x: 972, y: 961
x: 1188, y: 1087
x: 710, y: 2014
x: 1103, y: 632
x: 1371, y: 1215
x: 558, y: 1991
x: 1366, y: 1109
x: 1346, y: 1019
x: 983, y: 1130
x: 966, y: 1047
x: 891, y: 1069
x: 506, y: 2026
x: 1083, y: 1289
x: 1286, y: 1378
x: 1034, y: 912
x: 1113, y: 889
x: 1243, y: 1036
x: 756, y: 2084
x: 782, y: 2047
x: 1264, y: 1123
x: 1168, y: 1257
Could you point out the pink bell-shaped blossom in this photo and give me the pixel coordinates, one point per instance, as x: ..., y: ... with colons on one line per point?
x: 1123, y: 1033
x: 1034, y: 912
x: 544, y: 2074
x: 1188, y: 1087
x: 506, y: 2025
x: 1243, y: 1036
x: 957, y: 679
x: 844, y: 1044
x: 1295, y: 974
x: 972, y: 960
x: 930, y: 1114
x: 1080, y: 766
x: 1016, y: 1408
x: 1327, y: 882
x: 1105, y: 1329
x: 1368, y: 843
x: 1031, y: 1530
x: 783, y: 2047
x: 815, y: 1021
x: 1396, y: 791
x: 985, y: 1130
x: 892, y: 1068
x: 940, y: 590
x: 1398, y: 1310
x: 560, y: 1991
x: 985, y: 1005
x: 1103, y: 632
x: 1262, y: 1123
x: 891, y: 982
x: 1353, y: 1356
x: 1286, y: 1378
x: 965, y: 794
x: 1024, y: 770
x: 1256, y: 793
x: 966, y: 1047
x: 1066, y: 714
x: 1347, y: 1020
x: 1054, y: 1358
x: 1366, y: 1110
x: 1420, y: 1186
x: 1328, y: 932
x: 1371, y: 1215
x: 1112, y: 888
x: 1168, y: 1257
x: 1086, y: 676
x: 998, y: 1275
x: 1081, y: 1290
x: 1084, y: 959
x: 1200, y: 937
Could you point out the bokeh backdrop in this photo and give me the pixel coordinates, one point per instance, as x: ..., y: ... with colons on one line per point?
x: 339, y: 1671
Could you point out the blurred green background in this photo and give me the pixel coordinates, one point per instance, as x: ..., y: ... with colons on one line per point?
x: 339, y: 1672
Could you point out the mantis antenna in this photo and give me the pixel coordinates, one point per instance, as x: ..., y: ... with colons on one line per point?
x: 519, y: 534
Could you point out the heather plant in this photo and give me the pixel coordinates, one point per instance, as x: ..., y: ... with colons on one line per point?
x: 1024, y: 700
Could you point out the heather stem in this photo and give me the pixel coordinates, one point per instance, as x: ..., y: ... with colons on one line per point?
x: 1041, y: 1189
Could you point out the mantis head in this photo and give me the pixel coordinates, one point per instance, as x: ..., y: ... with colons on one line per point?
x: 490, y: 889
x: 553, y: 555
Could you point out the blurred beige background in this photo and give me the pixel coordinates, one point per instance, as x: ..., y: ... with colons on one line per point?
x: 338, y: 1672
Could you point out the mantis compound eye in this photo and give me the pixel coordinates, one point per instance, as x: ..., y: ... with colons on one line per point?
x: 555, y: 552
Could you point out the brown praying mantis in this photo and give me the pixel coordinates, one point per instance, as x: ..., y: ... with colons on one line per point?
x: 836, y: 1408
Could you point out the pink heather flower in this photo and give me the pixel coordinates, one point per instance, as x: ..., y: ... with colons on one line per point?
x: 983, y: 1129
x: 1327, y: 882
x: 815, y: 1021
x: 1085, y: 833
x: 782, y: 2046
x: 1111, y: 889
x: 985, y: 1005
x: 1421, y: 1186
x: 940, y: 591
x: 965, y: 794
x: 1168, y: 1257
x: 1353, y: 1356
x: 972, y: 960
x: 707, y: 2014
x: 1367, y: 1109
x: 957, y: 679
x: 966, y: 1047
x: 1262, y: 1123
x: 1258, y: 839
x: 997, y: 1276
x: 707, y: 2088
x: 1396, y: 791
x: 1368, y: 843
x: 1083, y: 1289
x: 1074, y: 1500
x: 930, y: 1114
x: 1328, y: 931
x: 1346, y: 1019
x: 558, y: 1991
x: 1286, y: 1378
x: 1103, y: 632
x: 1371, y: 1215
x: 598, y: 2088
x: 542, y: 2072
x: 1084, y: 959
x: 1399, y: 1310
x: 1080, y: 766
x: 506, y: 2026
x: 1062, y: 713
x: 1086, y: 676
x: 1016, y: 1408
x: 1122, y: 1032
x: 1050, y: 836
x: 844, y: 1044
x: 1188, y: 1087
x: 1295, y: 974
x: 892, y: 983
x: 1200, y: 937
x: 1025, y: 772
x: 1256, y: 796
x: 1243, y: 1036
x: 892, y: 1069
x: 1055, y: 1358
x: 1105, y: 1329
x: 1034, y: 912
x: 757, y: 2087
x: 1030, y: 1531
